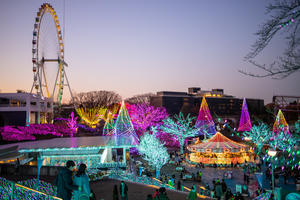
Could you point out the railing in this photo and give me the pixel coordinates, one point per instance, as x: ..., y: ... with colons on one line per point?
x: 10, y: 191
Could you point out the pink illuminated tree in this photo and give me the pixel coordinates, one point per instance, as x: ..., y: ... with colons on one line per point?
x: 72, y: 124
x: 245, y: 122
x: 143, y: 116
x: 204, y: 121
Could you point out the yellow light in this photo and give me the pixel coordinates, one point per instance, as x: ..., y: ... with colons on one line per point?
x: 91, y: 116
x: 27, y: 188
x: 272, y: 153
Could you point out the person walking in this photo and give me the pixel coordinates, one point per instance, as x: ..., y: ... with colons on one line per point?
x: 82, y: 180
x: 123, y: 190
x: 193, y: 193
x: 115, y: 193
x: 218, y: 191
x: 17, y: 167
x: 224, y: 186
x: 64, y: 182
x: 156, y: 193
x: 162, y: 195
x: 178, y: 185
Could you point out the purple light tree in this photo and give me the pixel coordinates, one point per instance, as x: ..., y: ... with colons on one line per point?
x: 245, y: 122
x: 72, y: 124
x: 143, y: 116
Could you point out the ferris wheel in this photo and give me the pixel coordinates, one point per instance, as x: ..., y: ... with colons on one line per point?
x: 48, y: 55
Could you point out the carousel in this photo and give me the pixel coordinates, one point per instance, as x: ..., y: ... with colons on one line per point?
x: 220, y: 150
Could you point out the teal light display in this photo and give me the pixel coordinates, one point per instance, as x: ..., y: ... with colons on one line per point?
x: 124, y: 127
x: 153, y: 151
x: 181, y: 127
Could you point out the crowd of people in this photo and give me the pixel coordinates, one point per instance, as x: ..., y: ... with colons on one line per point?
x: 76, y: 185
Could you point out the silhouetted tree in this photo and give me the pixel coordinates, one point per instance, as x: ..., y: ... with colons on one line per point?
x: 96, y: 99
x: 285, y: 18
x: 141, y: 98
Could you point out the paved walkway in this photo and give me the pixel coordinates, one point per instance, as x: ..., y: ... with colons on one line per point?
x: 104, y: 188
x: 209, y: 174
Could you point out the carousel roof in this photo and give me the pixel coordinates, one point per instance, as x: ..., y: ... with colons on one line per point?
x: 217, y: 144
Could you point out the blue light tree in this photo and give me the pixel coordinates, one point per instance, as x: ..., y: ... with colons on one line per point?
x: 153, y: 151
x: 180, y: 127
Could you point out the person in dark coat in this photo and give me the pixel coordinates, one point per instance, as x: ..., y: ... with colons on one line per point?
x: 179, y: 185
x: 162, y: 194
x: 224, y: 186
x: 115, y: 193
x: 64, y: 181
x: 218, y: 190
x: 123, y: 190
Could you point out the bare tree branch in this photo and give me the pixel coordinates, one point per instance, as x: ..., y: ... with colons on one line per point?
x: 286, y: 17
x: 141, y: 98
x: 96, y: 99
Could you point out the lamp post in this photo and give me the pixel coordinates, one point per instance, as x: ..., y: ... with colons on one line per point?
x: 272, y: 153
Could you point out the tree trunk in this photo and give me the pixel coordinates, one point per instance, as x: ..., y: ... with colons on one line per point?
x: 181, y: 148
x: 157, y: 173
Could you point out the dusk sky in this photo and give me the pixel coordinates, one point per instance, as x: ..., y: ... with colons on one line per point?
x: 140, y: 46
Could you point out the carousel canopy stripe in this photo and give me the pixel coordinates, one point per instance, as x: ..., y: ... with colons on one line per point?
x: 219, y: 141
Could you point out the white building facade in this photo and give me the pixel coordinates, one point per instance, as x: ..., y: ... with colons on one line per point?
x: 24, y: 108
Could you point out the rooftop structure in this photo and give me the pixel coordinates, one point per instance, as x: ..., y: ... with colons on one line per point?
x: 221, y: 105
x: 23, y: 108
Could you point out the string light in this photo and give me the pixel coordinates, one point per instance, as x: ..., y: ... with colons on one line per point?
x: 292, y: 20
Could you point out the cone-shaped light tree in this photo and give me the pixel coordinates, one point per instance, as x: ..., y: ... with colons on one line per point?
x: 123, y: 125
x: 245, y: 122
x: 181, y: 127
x: 204, y: 121
x: 153, y: 151
x: 280, y: 124
x: 109, y: 124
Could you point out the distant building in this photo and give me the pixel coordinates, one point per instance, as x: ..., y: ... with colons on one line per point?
x: 24, y: 108
x: 220, y: 104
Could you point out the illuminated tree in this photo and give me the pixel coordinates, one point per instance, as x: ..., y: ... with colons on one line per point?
x: 153, y: 151
x: 72, y: 124
x: 91, y: 116
x: 143, y: 116
x: 280, y: 124
x: 297, y: 127
x: 245, y: 122
x: 204, y: 121
x: 260, y: 135
x: 109, y: 124
x: 181, y: 127
x: 123, y: 125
